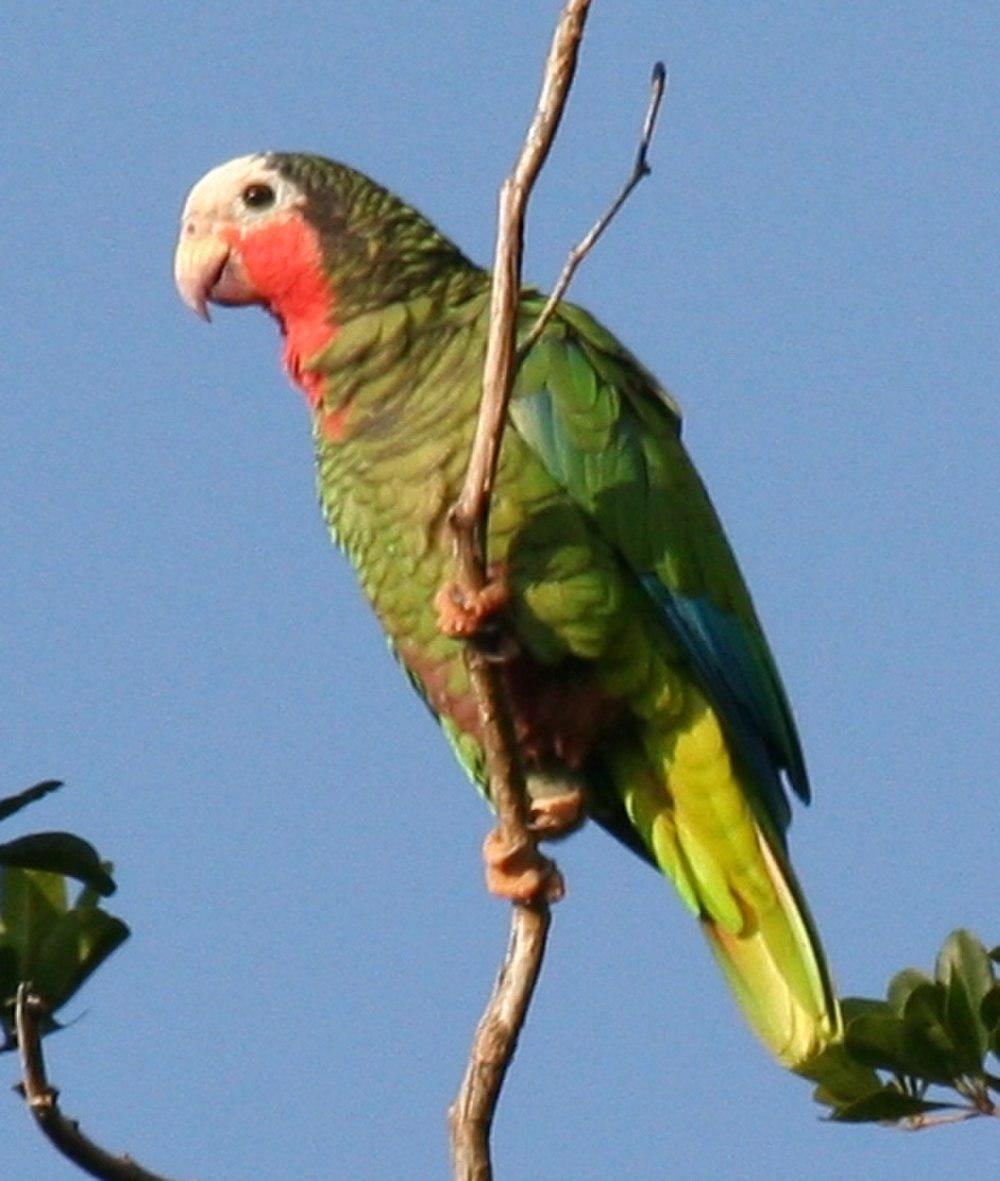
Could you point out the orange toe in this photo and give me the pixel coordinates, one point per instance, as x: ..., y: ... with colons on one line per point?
x: 461, y: 613
x: 519, y: 873
x: 554, y: 816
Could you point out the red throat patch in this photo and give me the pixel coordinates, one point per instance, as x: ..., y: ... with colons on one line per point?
x: 283, y: 262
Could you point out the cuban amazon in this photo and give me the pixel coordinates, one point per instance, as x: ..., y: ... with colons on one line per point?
x: 643, y: 691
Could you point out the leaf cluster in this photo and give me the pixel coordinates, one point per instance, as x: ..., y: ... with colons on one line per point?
x: 47, y: 938
x: 930, y: 1032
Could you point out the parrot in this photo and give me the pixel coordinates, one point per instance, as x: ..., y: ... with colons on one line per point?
x: 643, y: 692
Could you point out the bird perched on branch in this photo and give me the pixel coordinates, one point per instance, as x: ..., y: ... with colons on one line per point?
x: 642, y: 688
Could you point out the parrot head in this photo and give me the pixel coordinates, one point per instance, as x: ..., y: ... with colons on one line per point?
x: 312, y: 241
x: 244, y: 238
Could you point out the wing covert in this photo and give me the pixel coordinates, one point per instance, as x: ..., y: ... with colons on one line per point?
x: 611, y: 437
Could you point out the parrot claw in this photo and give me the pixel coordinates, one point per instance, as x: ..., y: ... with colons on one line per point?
x: 556, y: 816
x: 462, y: 614
x: 519, y: 873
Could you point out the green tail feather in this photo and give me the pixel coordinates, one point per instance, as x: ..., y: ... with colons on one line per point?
x: 778, y: 972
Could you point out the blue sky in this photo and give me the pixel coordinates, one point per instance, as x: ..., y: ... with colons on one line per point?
x: 812, y: 268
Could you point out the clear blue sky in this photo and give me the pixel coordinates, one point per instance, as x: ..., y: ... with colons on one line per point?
x: 812, y: 268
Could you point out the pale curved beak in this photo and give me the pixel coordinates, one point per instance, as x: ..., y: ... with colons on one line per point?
x: 200, y: 259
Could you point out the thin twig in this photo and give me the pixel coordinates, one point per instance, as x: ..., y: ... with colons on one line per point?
x: 640, y: 169
x: 921, y: 1123
x: 43, y: 1103
x: 493, y: 1047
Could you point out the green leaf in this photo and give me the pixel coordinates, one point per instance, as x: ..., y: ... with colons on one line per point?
x: 879, y: 1041
x: 902, y: 985
x: 968, y: 1034
x: 930, y: 1046
x: 840, y: 1078
x: 989, y: 1012
x: 989, y: 1008
x: 58, y: 852
x: 11, y: 804
x: 44, y: 941
x: 73, y: 949
x: 964, y: 968
x: 917, y: 1045
x: 885, y: 1105
x: 9, y: 975
x: 855, y: 1006
x: 963, y: 955
x: 30, y: 903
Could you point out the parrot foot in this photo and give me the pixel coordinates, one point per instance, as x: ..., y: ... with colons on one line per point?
x: 556, y: 816
x: 517, y: 872
x: 462, y: 614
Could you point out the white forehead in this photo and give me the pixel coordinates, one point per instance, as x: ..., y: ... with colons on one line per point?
x: 219, y: 186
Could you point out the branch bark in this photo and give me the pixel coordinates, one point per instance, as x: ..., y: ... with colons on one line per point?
x: 495, y: 1041
x: 43, y: 1103
x: 493, y: 1047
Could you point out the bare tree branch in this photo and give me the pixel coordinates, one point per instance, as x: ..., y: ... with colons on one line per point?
x: 43, y: 1103
x: 640, y: 170
x: 496, y: 1037
x: 495, y: 1042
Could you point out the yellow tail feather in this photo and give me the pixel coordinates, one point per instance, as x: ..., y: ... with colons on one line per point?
x: 685, y: 798
x: 777, y: 971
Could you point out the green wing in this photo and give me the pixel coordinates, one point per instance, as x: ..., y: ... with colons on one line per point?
x: 611, y: 437
x: 701, y: 774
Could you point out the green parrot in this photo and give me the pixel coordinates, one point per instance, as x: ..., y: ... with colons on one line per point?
x: 643, y: 691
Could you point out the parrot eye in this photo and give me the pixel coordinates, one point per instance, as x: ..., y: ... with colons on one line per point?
x: 258, y: 196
